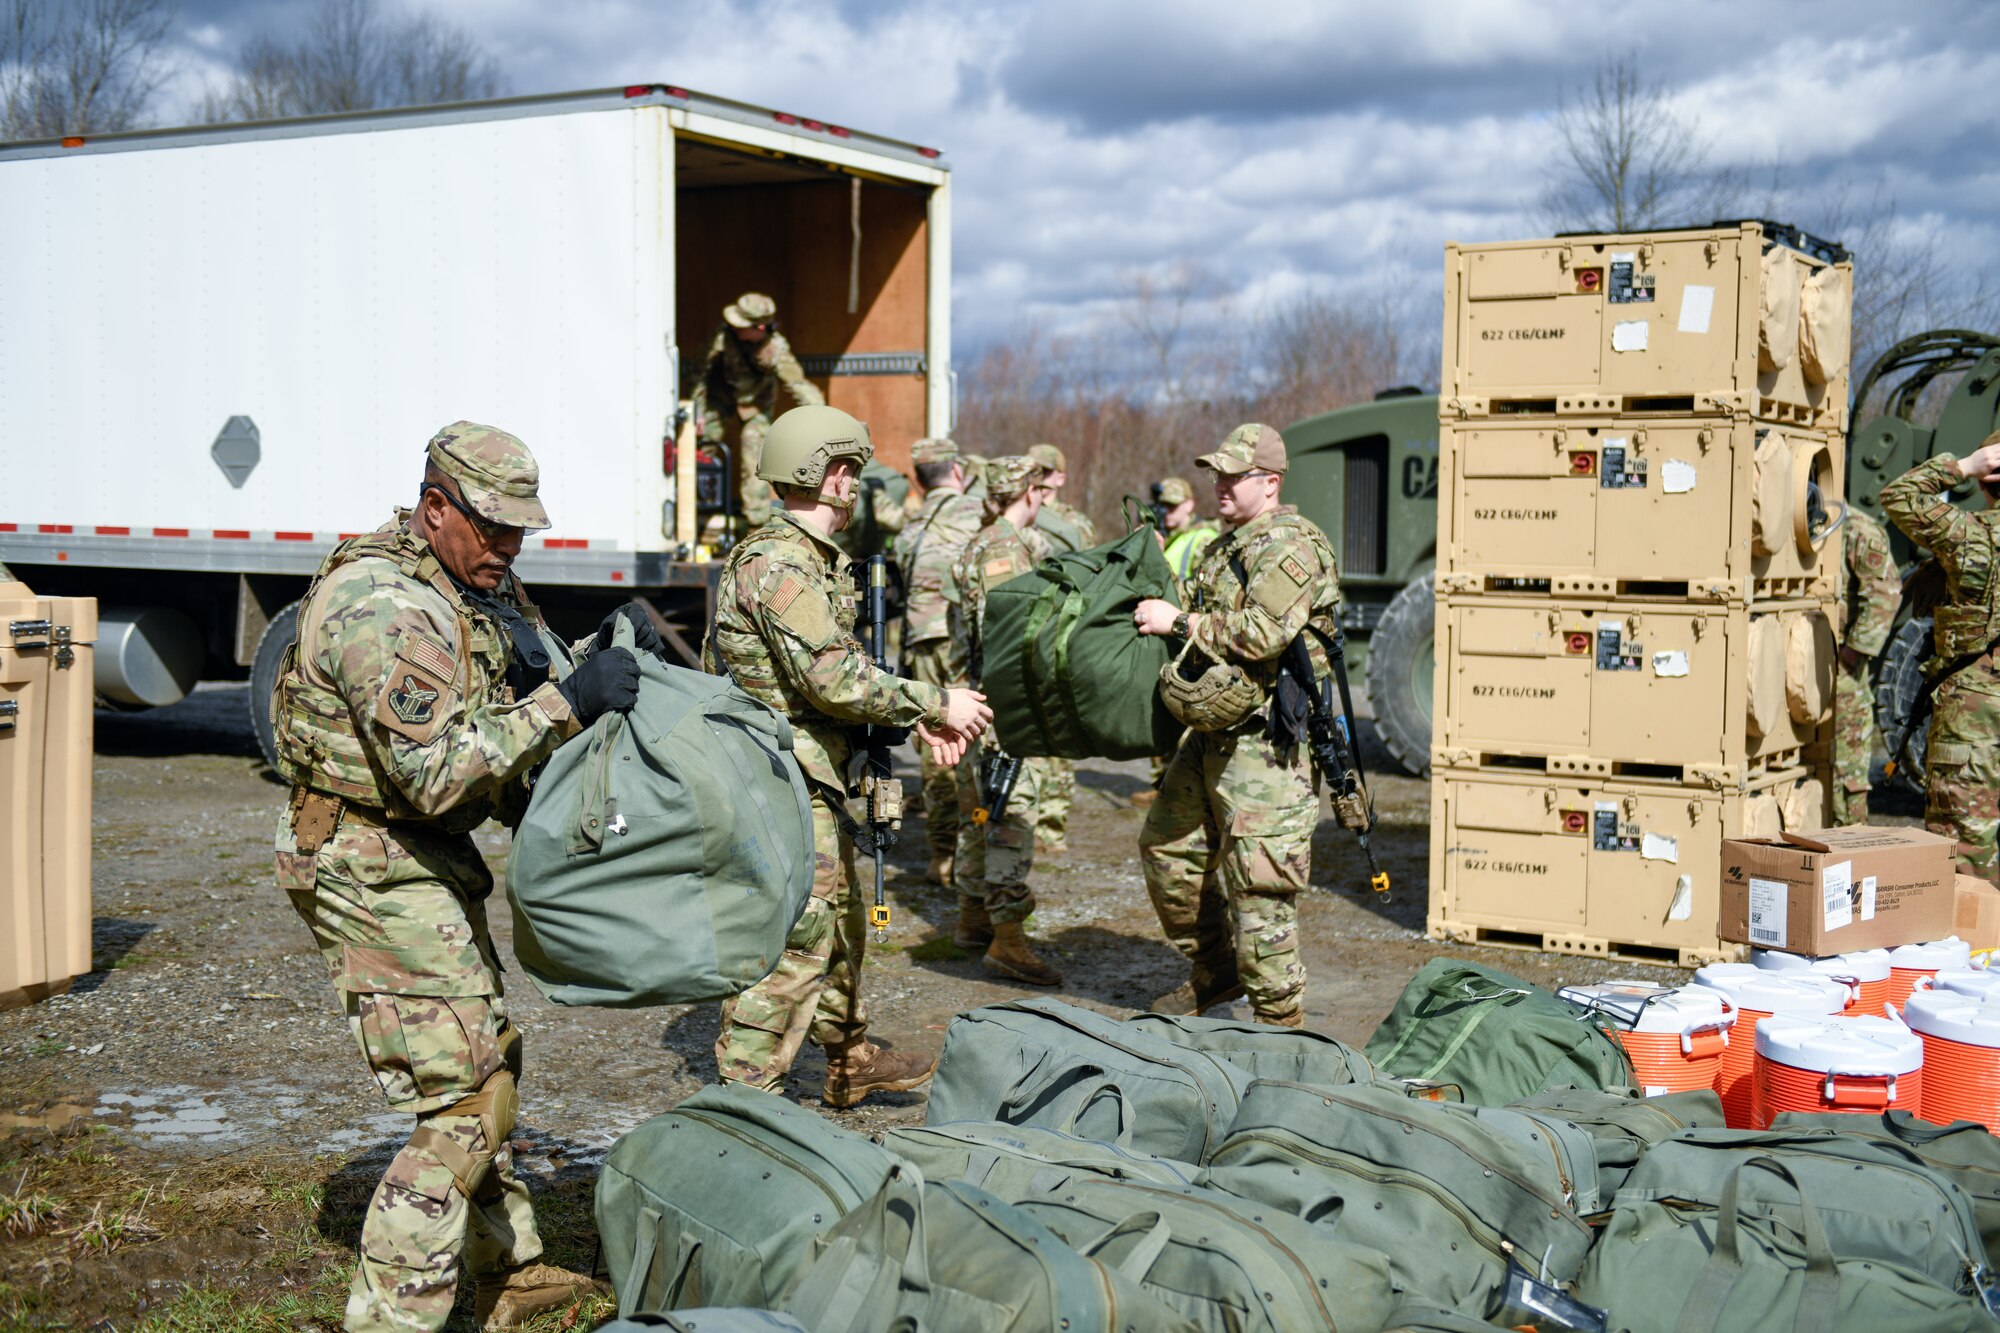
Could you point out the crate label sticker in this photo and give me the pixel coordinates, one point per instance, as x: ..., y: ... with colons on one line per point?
x: 1697, y: 304
x: 1629, y: 335
x: 1672, y: 663
x: 1867, y: 897
x: 1836, y: 891
x: 1654, y: 847
x: 1677, y: 476
x: 1682, y: 907
x: 1767, y: 912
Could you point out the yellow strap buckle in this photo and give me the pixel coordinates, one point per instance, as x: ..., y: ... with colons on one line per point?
x: 1380, y: 882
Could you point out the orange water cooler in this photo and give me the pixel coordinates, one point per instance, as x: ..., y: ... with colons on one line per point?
x: 1675, y: 1036
x: 1961, y: 1037
x: 1865, y: 974
x: 1863, y: 1064
x: 1758, y: 994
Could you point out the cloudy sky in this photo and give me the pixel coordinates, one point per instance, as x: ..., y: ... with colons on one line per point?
x: 1313, y: 145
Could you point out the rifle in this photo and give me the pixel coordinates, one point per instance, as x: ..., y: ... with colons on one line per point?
x: 1158, y: 507
x: 998, y: 774
x: 879, y: 785
x: 1330, y: 741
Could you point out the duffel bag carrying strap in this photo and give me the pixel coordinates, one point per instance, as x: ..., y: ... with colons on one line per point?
x: 848, y: 1287
x: 1046, y: 1073
x: 657, y: 1289
x: 1144, y: 1254
x: 1819, y: 1299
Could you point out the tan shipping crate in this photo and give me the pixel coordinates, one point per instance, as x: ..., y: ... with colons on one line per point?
x: 1707, y: 508
x: 1976, y: 919
x: 1826, y: 891
x: 1606, y: 869
x: 1666, y: 691
x: 46, y: 698
x: 1699, y: 321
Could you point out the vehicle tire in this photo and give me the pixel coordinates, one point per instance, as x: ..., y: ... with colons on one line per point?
x: 1899, y: 684
x: 1401, y: 658
x: 277, y: 637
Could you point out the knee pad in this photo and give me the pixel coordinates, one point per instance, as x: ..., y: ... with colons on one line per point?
x: 495, y: 1106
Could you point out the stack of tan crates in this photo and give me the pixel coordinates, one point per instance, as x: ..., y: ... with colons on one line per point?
x: 1641, y: 463
x: 45, y: 756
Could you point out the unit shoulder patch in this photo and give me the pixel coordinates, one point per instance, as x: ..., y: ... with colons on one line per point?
x: 1279, y: 584
x: 417, y: 696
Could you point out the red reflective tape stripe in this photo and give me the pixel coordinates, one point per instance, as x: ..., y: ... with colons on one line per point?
x: 103, y: 531
x: 170, y: 532
x: 348, y: 536
x: 232, y: 534
x: 10, y: 527
x: 565, y: 543
x: 293, y: 536
x: 617, y: 576
x: 57, y: 527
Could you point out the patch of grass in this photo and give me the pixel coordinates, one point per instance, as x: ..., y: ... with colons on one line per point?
x: 218, y: 1309
x: 45, y: 1046
x: 938, y: 949
x: 26, y: 1214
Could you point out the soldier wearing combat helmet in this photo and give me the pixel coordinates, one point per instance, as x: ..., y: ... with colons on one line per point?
x: 784, y: 631
x: 421, y: 692
x: 1227, y: 846
x: 748, y: 362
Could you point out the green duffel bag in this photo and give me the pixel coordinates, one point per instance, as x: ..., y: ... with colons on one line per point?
x: 1445, y: 1195
x: 1005, y: 1159
x: 1061, y: 1067
x: 665, y: 855
x: 717, y: 1201
x: 1668, y: 1264
x: 1964, y: 1152
x: 1497, y: 1037
x: 708, y: 1319
x: 947, y: 1257
x: 1224, y: 1264
x: 1263, y: 1050
x: 1065, y: 670
x: 1625, y: 1122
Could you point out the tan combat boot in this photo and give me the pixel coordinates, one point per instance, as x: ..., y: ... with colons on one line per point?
x: 974, y: 930
x: 512, y: 1298
x: 1010, y: 956
x: 853, y: 1072
x: 1143, y: 800
x: 938, y: 872
x: 1208, y: 985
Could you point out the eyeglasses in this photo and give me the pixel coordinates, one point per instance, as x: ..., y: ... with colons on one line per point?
x: 488, y: 530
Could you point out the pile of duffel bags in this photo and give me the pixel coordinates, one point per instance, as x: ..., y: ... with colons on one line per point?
x: 1480, y: 1163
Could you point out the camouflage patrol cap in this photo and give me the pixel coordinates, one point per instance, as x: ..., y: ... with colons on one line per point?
x: 1250, y: 447
x: 495, y: 473
x: 934, y: 449
x: 750, y: 308
x: 1011, y: 475
x: 1175, y: 490
x: 1050, y: 457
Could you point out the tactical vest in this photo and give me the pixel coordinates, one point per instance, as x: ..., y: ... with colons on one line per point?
x: 1969, y: 623
x: 319, y: 745
x: 1217, y: 585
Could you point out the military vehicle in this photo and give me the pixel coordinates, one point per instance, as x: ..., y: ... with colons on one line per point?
x: 1368, y: 475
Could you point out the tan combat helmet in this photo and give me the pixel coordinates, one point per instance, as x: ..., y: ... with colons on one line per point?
x: 1207, y: 695
x: 805, y: 441
x: 750, y: 308
x: 495, y: 473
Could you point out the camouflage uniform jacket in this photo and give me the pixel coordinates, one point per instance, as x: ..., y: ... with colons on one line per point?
x: 395, y: 697
x: 999, y: 552
x: 784, y: 631
x: 747, y: 376
x: 1293, y: 579
x: 1967, y: 547
x: 926, y: 550
x: 1064, y: 528
x: 1874, y: 589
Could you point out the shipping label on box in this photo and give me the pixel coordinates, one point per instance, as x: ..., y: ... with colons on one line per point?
x: 1838, y: 890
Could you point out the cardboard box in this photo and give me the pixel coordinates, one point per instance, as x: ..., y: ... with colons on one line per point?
x: 1978, y: 919
x: 1837, y: 890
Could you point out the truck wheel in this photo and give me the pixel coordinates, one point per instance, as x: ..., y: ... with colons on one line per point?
x: 1401, y: 659
x: 277, y: 637
x: 1899, y: 684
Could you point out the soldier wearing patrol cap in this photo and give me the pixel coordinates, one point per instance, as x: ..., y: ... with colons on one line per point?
x: 926, y: 549
x: 421, y: 692
x: 1065, y: 529
x: 784, y: 632
x: 1186, y: 536
x: 748, y: 361
x: 1227, y: 847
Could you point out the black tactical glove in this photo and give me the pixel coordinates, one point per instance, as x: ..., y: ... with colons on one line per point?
x: 607, y: 682
x: 646, y: 638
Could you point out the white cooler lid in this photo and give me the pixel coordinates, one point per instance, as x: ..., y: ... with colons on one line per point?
x: 1976, y: 982
x: 1967, y: 1018
x: 1751, y: 987
x: 1862, y: 964
x: 1950, y: 952
x: 1641, y: 1006
x: 1860, y: 1045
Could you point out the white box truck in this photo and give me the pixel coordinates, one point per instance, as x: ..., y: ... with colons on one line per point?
x: 222, y: 349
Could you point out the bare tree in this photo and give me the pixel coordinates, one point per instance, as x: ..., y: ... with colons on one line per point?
x: 353, y: 57
x: 84, y: 67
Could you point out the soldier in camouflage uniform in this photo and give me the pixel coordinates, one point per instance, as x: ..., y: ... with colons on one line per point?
x: 1874, y: 591
x: 1227, y: 847
x: 748, y: 361
x: 1066, y: 529
x: 784, y: 631
x: 408, y: 713
x: 926, y: 550
x: 1963, y: 755
x: 1184, y: 538
x: 996, y: 856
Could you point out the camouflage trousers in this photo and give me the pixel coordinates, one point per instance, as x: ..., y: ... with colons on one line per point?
x: 996, y: 858
x: 1058, y: 794
x: 1962, y: 800
x: 815, y: 991
x: 935, y: 662
x: 1854, y: 734
x: 1226, y: 849
x: 400, y: 919
x: 757, y: 493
